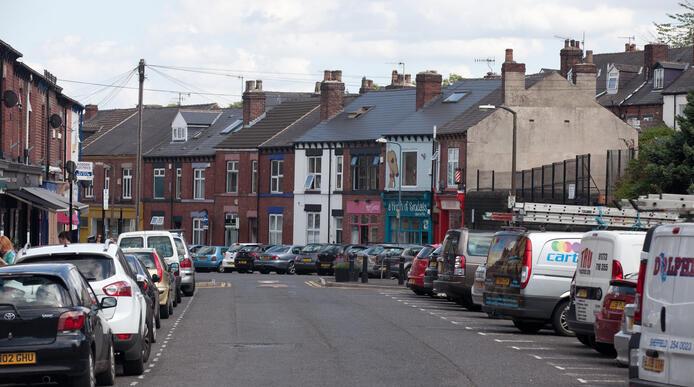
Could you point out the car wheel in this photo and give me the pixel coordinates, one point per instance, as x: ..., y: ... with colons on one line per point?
x: 165, y: 310
x: 220, y: 269
x: 178, y: 296
x: 559, y: 319
x: 154, y: 330
x: 190, y: 292
x: 264, y: 271
x: 108, y: 377
x: 419, y: 292
x: 171, y: 308
x: 147, y: 343
x: 605, y: 349
x: 134, y: 367
x: 89, y: 378
x: 291, y: 269
x: 157, y: 321
x: 528, y: 326
x: 584, y: 339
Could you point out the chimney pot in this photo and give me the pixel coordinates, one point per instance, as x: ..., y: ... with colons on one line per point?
x: 408, y: 79
x: 250, y: 85
x: 90, y: 111
x: 627, y: 47
x: 566, y: 43
x: 317, y: 88
x: 259, y: 85
x: 327, y: 75
x: 253, y: 101
x: 589, y: 56
x: 337, y: 75
x: 572, y: 43
x: 509, y: 55
x: 632, y: 48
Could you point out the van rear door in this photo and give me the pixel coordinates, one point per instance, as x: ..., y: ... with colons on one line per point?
x: 594, y: 268
x: 504, y: 264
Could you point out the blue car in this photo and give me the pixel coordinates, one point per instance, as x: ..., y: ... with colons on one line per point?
x: 209, y: 258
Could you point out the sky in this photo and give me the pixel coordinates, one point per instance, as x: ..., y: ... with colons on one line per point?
x: 288, y: 43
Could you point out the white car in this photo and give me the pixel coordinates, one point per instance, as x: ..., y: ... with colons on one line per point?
x: 605, y: 255
x: 664, y: 309
x: 109, y: 274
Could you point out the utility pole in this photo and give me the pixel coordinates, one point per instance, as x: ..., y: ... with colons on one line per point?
x: 138, y: 196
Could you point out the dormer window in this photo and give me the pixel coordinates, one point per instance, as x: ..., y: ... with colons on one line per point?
x: 179, y: 134
x: 612, y: 81
x: 658, y: 75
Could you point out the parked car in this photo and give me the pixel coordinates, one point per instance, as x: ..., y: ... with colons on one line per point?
x: 605, y: 256
x: 229, y: 260
x: 186, y: 266
x: 328, y: 254
x: 623, y: 337
x: 528, y: 278
x: 463, y: 251
x: 477, y: 291
x: 246, y: 257
x: 281, y: 259
x: 407, y: 255
x: 608, y: 320
x: 165, y: 278
x: 109, y: 275
x: 376, y: 255
x: 54, y: 327
x: 431, y: 274
x: 307, y: 260
x: 664, y: 309
x: 415, y: 279
x: 194, y: 248
x: 209, y: 258
x: 149, y: 289
x: 163, y: 242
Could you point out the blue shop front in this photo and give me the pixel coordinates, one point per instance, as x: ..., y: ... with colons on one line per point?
x: 415, y: 217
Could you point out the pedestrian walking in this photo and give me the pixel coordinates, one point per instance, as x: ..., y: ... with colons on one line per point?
x: 7, y: 251
x: 64, y: 238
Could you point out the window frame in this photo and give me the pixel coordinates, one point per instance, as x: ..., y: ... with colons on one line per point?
x: 89, y: 190
x: 232, y: 176
x: 452, y: 164
x: 199, y: 184
x: 254, y: 176
x: 365, y: 163
x: 276, y: 179
x: 313, y: 227
x: 161, y: 174
x: 404, y: 167
x: 658, y: 78
x: 314, y: 167
x: 339, y: 172
x: 197, y: 234
x: 275, y: 234
x: 179, y: 178
x: 127, y: 183
x: 339, y: 233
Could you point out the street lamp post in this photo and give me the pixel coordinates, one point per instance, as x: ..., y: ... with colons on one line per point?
x: 513, y: 148
x: 383, y: 140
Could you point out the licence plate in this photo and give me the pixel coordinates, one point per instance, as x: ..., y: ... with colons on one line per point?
x: 324, y: 265
x: 502, y: 281
x: 582, y: 293
x: 242, y: 262
x: 17, y: 358
x: 617, y: 305
x: 653, y: 364
x: 306, y: 260
x: 411, y: 281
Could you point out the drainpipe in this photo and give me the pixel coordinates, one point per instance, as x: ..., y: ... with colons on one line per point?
x: 47, y: 159
x: 27, y: 110
x: 2, y: 105
x: 330, y: 177
x: 65, y: 142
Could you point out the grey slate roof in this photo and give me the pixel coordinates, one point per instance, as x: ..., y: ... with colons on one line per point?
x: 275, y: 120
x: 473, y: 115
x: 201, y: 141
x: 206, y: 118
x: 103, y: 121
x: 683, y: 84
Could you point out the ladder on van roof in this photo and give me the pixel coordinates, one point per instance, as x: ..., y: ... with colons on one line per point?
x: 672, y: 203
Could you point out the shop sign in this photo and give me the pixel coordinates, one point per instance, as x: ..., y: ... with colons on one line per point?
x: 363, y: 207
x: 415, y: 208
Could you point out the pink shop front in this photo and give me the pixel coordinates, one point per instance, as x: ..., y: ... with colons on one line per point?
x: 364, y: 220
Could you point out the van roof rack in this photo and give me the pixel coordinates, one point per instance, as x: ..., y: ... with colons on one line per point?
x: 674, y: 203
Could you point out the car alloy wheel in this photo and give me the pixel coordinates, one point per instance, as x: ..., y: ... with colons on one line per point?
x: 146, y: 343
x: 291, y: 269
x: 108, y: 376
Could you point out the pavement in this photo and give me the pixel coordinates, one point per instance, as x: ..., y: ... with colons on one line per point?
x: 267, y: 330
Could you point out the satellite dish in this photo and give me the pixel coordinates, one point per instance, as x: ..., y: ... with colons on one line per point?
x: 10, y: 98
x: 55, y: 121
x: 70, y: 166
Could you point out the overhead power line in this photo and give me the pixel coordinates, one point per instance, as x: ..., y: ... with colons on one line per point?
x: 231, y: 71
x: 152, y: 90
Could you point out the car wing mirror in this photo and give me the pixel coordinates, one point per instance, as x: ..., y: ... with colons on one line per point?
x: 174, y: 267
x: 155, y: 278
x: 108, y: 302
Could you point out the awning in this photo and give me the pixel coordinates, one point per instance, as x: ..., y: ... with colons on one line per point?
x: 44, y: 198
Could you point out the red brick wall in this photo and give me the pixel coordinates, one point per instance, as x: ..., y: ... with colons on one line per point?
x: 428, y: 87
x: 116, y: 173
x: 640, y: 111
x: 445, y: 143
x: 266, y: 201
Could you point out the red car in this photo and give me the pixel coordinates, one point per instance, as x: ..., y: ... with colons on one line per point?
x: 608, y: 320
x: 415, y: 278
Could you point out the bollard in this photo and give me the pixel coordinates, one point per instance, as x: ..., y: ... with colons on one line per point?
x: 401, y: 271
x: 352, y: 277
x: 365, y: 269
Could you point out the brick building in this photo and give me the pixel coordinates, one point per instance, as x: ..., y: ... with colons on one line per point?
x: 39, y: 132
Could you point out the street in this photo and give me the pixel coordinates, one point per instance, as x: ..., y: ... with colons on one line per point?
x: 253, y: 329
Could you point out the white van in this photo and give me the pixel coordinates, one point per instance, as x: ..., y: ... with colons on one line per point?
x: 605, y: 255
x: 528, y: 278
x: 665, y: 309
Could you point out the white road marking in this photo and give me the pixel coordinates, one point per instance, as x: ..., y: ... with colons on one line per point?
x: 602, y: 381
x: 531, y: 348
x: 491, y: 334
x: 513, y: 341
x: 538, y: 357
x: 133, y: 383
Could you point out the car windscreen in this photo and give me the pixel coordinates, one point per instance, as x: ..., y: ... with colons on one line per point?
x: 478, y: 244
x: 33, y: 291
x: 131, y: 243
x: 132, y: 261
x: 355, y: 249
x: 278, y: 249
x: 312, y: 248
x: 250, y: 248
x: 330, y: 249
x: 93, y: 267
x: 235, y: 248
x: 425, y: 252
x: 146, y: 258
x: 162, y: 244
x: 206, y: 250
x: 374, y: 250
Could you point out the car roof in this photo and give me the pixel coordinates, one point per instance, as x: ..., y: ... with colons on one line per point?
x: 55, y: 269
x: 108, y: 249
x: 139, y: 250
x: 145, y: 233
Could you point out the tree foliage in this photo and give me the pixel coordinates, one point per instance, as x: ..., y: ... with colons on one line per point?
x: 236, y: 105
x: 678, y: 32
x: 665, y: 163
x: 452, y: 78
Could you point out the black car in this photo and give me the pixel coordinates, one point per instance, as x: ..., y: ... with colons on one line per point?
x: 148, y: 286
x: 246, y: 256
x: 392, y: 262
x: 52, y: 328
x: 331, y: 253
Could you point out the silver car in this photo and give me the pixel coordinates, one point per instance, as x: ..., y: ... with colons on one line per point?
x: 281, y: 259
x: 187, y: 266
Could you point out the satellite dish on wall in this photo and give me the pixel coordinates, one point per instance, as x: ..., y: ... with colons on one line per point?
x: 10, y: 98
x: 55, y: 121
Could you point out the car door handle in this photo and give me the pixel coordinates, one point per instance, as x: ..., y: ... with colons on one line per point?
x: 662, y: 319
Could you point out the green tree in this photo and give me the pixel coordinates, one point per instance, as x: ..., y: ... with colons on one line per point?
x: 665, y: 163
x: 236, y: 105
x: 678, y: 32
x: 452, y: 78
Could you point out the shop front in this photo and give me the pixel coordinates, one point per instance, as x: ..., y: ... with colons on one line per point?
x: 364, y: 220
x: 450, y: 213
x: 415, y: 220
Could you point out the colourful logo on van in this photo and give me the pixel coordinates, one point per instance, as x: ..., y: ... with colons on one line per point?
x: 564, y: 252
x: 566, y: 247
x: 673, y: 266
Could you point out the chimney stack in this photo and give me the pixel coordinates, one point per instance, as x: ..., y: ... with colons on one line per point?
x: 652, y: 54
x: 332, y: 92
x: 428, y: 87
x: 584, y: 75
x: 512, y: 78
x: 366, y: 85
x: 90, y: 111
x: 398, y: 81
x: 570, y: 55
x: 253, y: 101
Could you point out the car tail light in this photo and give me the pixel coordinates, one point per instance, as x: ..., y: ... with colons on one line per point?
x: 71, y: 321
x: 274, y: 257
x: 118, y: 289
x: 527, y: 264
x: 460, y: 265
x: 640, y: 288
x: 617, y: 272
x: 123, y: 336
x: 254, y: 254
x: 186, y: 263
x: 213, y: 258
x: 157, y: 264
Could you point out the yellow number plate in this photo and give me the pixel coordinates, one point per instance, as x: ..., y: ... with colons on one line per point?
x: 653, y: 364
x: 307, y: 260
x: 617, y: 305
x: 17, y: 358
x: 502, y: 281
x: 582, y: 293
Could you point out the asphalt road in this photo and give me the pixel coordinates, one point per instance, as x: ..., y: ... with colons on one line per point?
x: 262, y: 330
